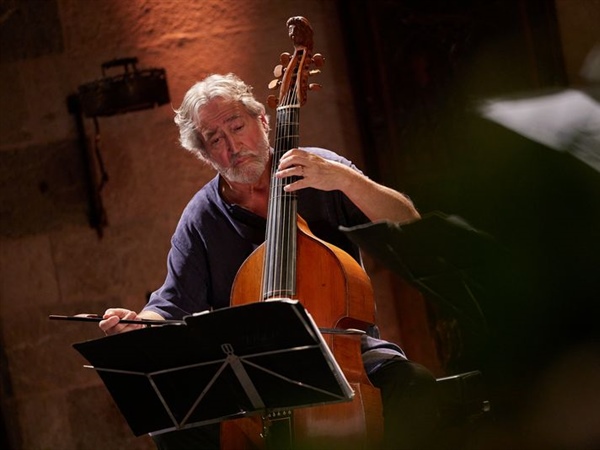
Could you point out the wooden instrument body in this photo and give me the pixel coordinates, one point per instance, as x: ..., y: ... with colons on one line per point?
x: 331, y: 285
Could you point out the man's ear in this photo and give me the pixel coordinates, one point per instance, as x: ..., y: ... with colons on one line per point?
x: 264, y: 120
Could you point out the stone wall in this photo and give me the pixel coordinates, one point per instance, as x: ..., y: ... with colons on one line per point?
x: 52, y: 261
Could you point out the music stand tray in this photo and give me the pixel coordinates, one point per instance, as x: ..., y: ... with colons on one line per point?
x: 229, y: 363
x: 442, y: 256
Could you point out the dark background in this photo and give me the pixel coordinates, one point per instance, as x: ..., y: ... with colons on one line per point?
x: 420, y: 70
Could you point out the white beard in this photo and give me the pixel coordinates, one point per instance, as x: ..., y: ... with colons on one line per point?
x: 251, y: 171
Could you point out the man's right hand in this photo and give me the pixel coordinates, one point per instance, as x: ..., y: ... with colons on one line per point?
x: 110, y: 323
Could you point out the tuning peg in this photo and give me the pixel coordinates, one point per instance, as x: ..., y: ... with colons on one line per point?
x: 284, y: 58
x: 314, y: 87
x: 278, y: 71
x: 272, y: 101
x: 318, y: 60
x: 274, y: 84
x: 314, y: 72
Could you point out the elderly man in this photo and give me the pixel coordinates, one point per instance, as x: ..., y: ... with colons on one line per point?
x: 222, y: 123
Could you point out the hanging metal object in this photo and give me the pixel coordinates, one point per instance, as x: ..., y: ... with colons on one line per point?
x: 131, y: 90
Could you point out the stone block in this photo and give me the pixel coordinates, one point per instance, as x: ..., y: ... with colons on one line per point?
x: 27, y: 274
x: 44, y: 187
x: 30, y: 29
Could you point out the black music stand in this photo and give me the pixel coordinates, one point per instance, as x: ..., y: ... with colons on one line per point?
x: 229, y: 363
x: 441, y: 255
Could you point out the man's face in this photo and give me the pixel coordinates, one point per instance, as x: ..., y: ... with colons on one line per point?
x: 236, y: 143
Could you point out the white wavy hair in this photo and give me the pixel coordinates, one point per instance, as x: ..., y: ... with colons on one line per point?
x: 227, y: 87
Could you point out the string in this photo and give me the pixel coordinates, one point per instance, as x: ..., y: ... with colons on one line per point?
x: 280, y: 258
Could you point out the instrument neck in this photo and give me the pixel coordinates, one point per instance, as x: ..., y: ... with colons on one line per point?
x: 279, y: 279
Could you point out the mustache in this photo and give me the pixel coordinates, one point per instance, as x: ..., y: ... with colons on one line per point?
x: 241, y: 155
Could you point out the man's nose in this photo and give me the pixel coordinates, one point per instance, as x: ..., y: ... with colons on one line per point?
x: 233, y: 146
